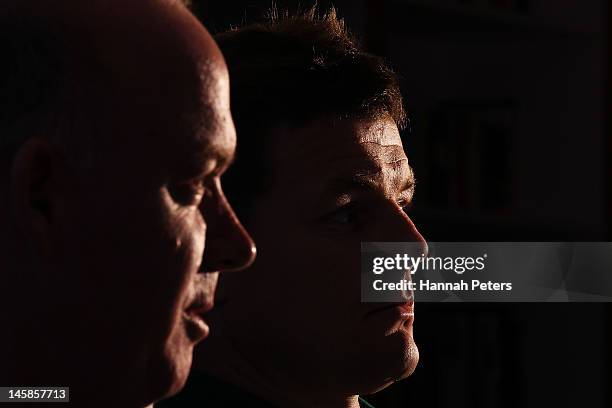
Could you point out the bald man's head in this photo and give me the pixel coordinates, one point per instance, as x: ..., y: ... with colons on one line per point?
x: 115, y: 127
x: 63, y: 61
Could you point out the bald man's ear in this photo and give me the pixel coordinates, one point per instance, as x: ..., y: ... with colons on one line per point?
x: 33, y: 188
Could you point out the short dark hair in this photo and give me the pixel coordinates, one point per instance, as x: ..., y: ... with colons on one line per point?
x: 290, y: 70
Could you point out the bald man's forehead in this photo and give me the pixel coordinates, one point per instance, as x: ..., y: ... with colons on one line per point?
x: 166, y: 34
x: 153, y: 56
x: 98, y: 28
x: 138, y: 67
x: 145, y: 73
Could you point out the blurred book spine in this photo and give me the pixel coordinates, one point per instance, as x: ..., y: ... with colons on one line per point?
x: 469, y: 153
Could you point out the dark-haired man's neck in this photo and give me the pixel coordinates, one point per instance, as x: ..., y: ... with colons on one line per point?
x: 220, y: 359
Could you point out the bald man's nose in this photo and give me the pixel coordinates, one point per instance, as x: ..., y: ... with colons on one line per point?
x: 228, y: 247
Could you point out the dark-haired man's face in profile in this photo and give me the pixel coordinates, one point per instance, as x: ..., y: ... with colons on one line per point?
x: 116, y: 305
x: 332, y: 185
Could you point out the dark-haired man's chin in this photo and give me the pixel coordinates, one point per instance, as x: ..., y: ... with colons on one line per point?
x: 408, y: 363
x: 409, y: 358
x: 395, y: 360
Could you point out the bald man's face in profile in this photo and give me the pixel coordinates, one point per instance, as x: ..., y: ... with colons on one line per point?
x: 125, y: 277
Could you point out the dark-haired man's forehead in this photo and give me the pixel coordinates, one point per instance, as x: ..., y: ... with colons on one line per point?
x: 362, y: 172
x: 371, y: 144
x: 332, y: 136
x: 333, y: 158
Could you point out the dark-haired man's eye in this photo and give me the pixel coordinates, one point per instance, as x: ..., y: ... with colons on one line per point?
x: 406, y: 206
x: 345, y: 216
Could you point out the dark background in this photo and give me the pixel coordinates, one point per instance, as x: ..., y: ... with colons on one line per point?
x: 510, y: 141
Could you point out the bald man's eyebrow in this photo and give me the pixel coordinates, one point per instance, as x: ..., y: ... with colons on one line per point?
x: 205, y: 163
x: 223, y: 158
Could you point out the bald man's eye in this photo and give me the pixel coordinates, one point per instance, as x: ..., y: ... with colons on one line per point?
x: 188, y: 193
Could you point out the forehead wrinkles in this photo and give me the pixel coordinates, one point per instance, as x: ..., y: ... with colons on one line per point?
x: 368, y: 149
x: 380, y: 146
x: 328, y: 149
x: 340, y: 140
x: 387, y: 168
x: 383, y: 133
x: 377, y: 157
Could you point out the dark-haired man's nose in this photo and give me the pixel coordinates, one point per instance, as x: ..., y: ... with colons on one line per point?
x: 400, y: 228
x: 228, y: 247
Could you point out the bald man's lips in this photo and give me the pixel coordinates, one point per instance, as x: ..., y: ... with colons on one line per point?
x: 197, y: 329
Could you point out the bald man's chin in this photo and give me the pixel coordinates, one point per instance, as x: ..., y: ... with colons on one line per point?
x: 168, y: 375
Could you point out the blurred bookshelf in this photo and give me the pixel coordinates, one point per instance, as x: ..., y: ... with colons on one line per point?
x: 464, y: 17
x: 504, y: 97
x: 468, y: 156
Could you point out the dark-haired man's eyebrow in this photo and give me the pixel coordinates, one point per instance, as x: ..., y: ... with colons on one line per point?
x: 408, y: 189
x: 367, y: 182
x: 359, y: 182
x: 410, y: 181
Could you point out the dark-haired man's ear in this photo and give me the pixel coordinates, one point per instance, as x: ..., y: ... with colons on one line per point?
x: 33, y: 185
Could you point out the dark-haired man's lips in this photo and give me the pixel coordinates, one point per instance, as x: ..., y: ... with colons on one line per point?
x: 405, y: 308
x: 197, y: 329
x: 393, y: 314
